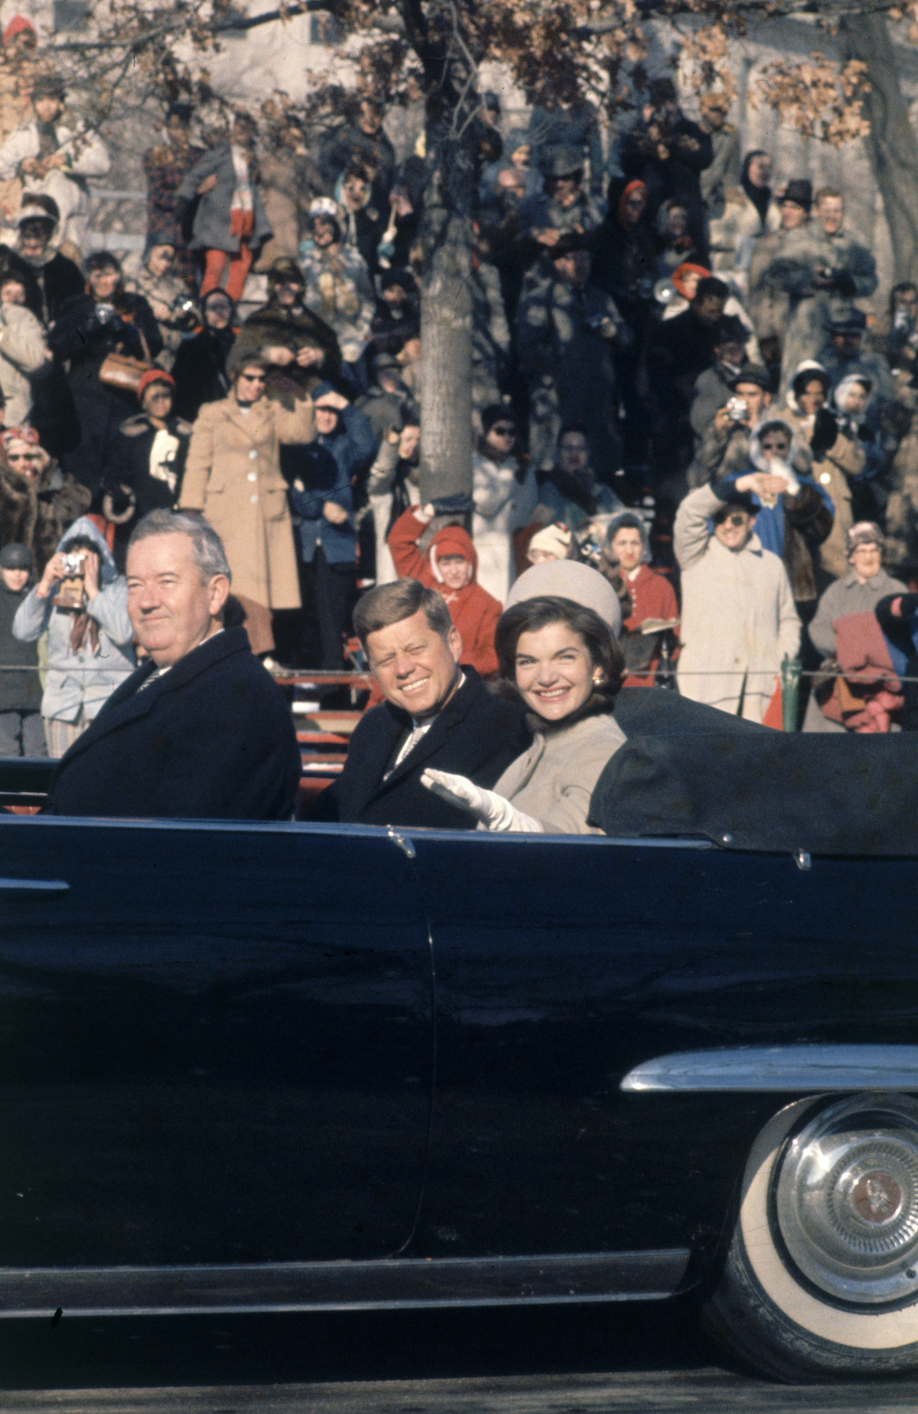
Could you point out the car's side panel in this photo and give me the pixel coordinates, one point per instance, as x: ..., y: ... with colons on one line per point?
x: 563, y: 964
x: 216, y: 1044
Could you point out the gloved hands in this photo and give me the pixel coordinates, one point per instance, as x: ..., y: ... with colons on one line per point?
x: 494, y: 812
x: 825, y: 432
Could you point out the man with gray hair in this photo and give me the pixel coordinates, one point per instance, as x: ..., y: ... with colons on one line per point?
x: 201, y: 730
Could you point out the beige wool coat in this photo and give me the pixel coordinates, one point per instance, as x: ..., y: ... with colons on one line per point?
x: 233, y: 475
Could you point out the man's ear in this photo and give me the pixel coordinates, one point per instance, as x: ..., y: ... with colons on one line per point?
x: 454, y: 640
x: 218, y: 592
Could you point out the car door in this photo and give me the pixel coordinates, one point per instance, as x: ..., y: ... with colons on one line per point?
x: 215, y: 1043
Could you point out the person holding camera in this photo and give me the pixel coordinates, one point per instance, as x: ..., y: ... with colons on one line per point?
x: 818, y: 261
x: 725, y: 443
x: 154, y: 276
x: 81, y: 600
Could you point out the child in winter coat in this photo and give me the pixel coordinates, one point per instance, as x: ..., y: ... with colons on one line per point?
x: 450, y: 564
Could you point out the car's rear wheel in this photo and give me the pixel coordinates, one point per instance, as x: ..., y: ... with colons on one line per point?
x: 821, y: 1272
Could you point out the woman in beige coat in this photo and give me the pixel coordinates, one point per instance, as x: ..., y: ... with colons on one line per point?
x: 233, y: 477
x: 558, y: 654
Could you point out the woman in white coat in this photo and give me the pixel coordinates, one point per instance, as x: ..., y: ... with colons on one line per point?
x: 505, y: 496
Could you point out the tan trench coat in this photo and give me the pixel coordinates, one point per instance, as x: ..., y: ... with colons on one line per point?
x: 233, y: 475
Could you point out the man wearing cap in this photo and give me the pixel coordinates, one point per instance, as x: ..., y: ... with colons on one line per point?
x: 843, y: 356
x: 21, y: 730
x: 55, y: 159
x: 859, y: 591
x: 387, y: 404
x: 570, y: 123
x: 713, y: 386
x: 769, y: 305
x: 562, y: 205
x: 724, y: 447
x: 738, y: 615
x: 819, y: 261
x: 148, y: 460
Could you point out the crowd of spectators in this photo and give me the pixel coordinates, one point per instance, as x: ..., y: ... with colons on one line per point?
x: 679, y: 377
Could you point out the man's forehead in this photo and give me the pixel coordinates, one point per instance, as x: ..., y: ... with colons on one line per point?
x: 170, y: 549
x: 415, y: 627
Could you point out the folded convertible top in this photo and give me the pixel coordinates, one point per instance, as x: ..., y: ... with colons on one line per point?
x: 688, y: 769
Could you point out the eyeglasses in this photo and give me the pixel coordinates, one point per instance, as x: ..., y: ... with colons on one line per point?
x: 737, y: 518
x: 502, y: 430
x: 23, y: 457
x: 253, y: 377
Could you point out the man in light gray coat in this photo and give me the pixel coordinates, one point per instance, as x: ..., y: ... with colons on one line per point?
x: 738, y: 615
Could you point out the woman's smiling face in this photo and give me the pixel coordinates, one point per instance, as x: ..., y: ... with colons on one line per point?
x: 554, y: 671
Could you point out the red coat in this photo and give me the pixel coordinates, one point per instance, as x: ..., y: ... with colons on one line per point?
x: 473, y: 610
x: 652, y: 597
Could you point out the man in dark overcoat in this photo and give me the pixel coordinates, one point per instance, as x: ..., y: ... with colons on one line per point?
x: 436, y: 713
x: 201, y: 730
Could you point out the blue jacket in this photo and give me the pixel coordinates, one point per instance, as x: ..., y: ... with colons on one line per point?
x: 323, y: 471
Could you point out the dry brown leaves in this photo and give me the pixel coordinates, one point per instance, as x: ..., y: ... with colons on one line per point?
x: 822, y: 99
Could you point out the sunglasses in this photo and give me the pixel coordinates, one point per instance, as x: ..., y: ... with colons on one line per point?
x: 502, y: 430
x: 253, y: 377
x: 737, y: 518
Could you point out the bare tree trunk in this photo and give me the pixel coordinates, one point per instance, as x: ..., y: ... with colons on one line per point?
x: 446, y: 315
x: 892, y: 145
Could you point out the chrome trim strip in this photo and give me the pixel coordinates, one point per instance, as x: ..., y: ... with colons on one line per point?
x: 34, y: 886
x: 764, y: 1068
x: 316, y: 1286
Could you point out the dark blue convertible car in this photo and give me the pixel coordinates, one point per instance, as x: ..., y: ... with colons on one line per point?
x: 286, y: 1066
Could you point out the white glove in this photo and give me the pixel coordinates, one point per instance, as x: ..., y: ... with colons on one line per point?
x: 494, y: 812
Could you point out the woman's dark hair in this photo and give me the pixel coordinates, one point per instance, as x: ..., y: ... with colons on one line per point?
x: 101, y: 260
x: 533, y: 614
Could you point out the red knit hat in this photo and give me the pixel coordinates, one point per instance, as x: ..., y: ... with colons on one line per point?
x: 19, y: 25
x: 153, y: 375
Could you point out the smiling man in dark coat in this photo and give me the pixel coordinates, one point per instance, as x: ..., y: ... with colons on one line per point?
x: 436, y: 713
x: 201, y: 730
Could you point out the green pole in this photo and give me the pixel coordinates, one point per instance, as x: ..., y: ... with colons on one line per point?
x: 790, y: 692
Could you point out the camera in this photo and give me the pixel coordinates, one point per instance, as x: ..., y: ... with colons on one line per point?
x: 738, y: 409
x: 70, y: 591
x: 73, y: 565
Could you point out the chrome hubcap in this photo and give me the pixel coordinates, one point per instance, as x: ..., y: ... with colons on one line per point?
x: 846, y: 1199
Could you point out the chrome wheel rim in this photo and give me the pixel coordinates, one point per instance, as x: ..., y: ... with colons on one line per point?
x: 846, y: 1200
